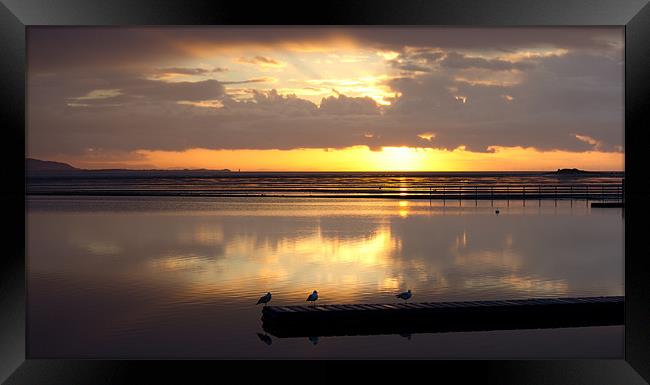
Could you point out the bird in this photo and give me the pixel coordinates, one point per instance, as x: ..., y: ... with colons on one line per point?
x: 497, y: 211
x: 313, y: 297
x: 264, y: 299
x: 405, y: 295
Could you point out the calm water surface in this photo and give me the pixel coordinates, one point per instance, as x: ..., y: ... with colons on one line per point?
x: 179, y: 277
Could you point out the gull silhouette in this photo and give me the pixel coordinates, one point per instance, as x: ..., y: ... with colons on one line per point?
x: 264, y: 299
x: 405, y: 295
x: 313, y: 297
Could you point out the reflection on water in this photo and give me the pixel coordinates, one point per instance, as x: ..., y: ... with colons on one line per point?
x: 178, y: 276
x: 265, y: 338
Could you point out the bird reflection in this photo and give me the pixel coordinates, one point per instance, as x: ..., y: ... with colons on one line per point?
x: 265, y: 338
x: 314, y: 339
x: 406, y: 335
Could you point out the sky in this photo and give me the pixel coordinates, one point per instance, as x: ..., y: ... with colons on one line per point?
x: 327, y: 98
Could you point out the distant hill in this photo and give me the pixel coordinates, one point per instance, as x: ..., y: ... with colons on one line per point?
x: 45, y: 165
x: 44, y: 168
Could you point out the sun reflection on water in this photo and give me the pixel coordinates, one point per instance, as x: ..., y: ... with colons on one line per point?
x: 340, y: 266
x: 403, y: 209
x: 350, y: 251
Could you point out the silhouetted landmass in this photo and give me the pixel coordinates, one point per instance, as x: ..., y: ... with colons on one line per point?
x: 46, y: 165
x: 571, y: 171
x: 44, y: 168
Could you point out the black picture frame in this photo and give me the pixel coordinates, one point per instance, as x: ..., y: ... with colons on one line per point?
x: 16, y: 15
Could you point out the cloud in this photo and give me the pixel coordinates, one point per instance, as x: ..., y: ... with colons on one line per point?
x: 99, y: 94
x: 589, y: 140
x: 344, y: 105
x: 254, y: 80
x: 553, y: 99
x: 412, y: 67
x: 417, y: 60
x: 189, y: 71
x: 511, y: 97
x: 460, y: 61
x: 70, y: 48
x: 137, y: 90
x: 262, y: 61
x: 271, y: 104
x: 192, y: 91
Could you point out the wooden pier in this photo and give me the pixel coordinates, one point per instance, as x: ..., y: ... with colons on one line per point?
x: 436, y: 317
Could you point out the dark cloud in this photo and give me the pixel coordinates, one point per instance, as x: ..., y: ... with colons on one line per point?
x: 410, y: 67
x: 263, y: 111
x: 191, y: 91
x: 553, y: 101
x: 68, y: 48
x: 426, y: 55
x: 190, y: 71
x: 254, y: 80
x: 420, y: 60
x: 144, y: 90
x: 460, y: 61
x: 97, y: 104
x: 344, y: 105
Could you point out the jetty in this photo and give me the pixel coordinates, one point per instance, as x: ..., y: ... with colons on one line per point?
x: 608, y: 204
x: 437, y: 317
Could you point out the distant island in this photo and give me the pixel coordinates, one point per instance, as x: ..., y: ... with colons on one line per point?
x: 572, y: 171
x: 45, y: 167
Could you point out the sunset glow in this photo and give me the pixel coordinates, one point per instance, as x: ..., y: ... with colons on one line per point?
x: 361, y: 158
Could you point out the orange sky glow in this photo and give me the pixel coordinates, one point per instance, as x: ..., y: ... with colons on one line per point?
x: 361, y: 158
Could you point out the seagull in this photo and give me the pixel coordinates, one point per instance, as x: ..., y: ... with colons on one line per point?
x: 405, y: 295
x: 313, y: 297
x: 264, y: 299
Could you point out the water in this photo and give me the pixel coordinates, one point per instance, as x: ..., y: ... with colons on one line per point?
x: 147, y: 277
x: 202, y: 183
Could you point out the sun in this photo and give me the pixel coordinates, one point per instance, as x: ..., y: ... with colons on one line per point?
x: 401, y: 159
